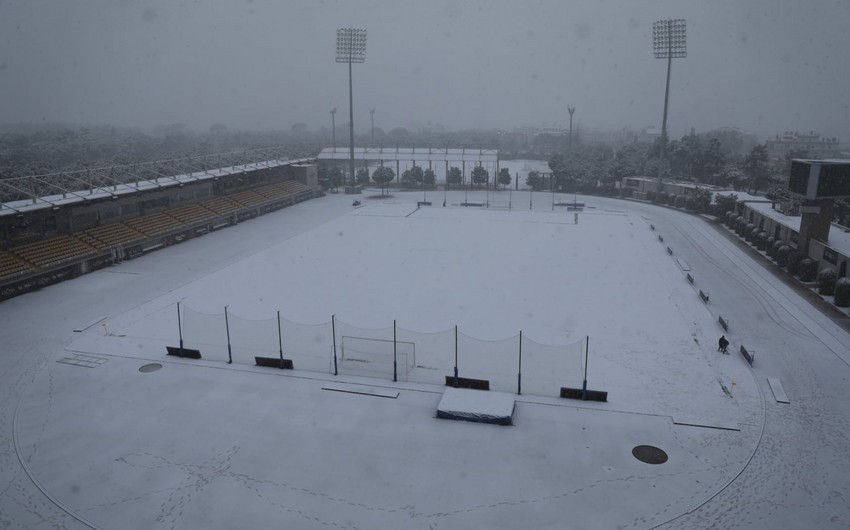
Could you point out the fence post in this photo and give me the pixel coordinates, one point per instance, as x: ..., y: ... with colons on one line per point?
x: 227, y: 329
x: 456, y: 382
x: 519, y: 369
x: 395, y: 362
x: 584, y: 383
x: 180, y: 328
x: 333, y: 331
x: 280, y: 340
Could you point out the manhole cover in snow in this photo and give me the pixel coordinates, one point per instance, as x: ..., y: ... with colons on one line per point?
x: 153, y: 367
x: 649, y: 454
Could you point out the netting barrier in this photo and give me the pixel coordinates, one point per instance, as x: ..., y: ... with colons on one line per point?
x: 371, y: 352
x: 310, y: 346
x: 494, y: 360
x: 205, y: 332
x: 435, y: 353
x: 475, y: 197
x: 513, y: 364
x: 545, y: 369
x: 250, y: 338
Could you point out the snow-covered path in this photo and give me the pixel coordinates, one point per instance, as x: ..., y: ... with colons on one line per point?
x: 798, y: 477
x: 206, y: 444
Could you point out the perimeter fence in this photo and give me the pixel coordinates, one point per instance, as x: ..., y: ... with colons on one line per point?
x: 515, y: 364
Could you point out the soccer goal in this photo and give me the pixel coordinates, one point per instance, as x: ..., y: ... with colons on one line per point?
x: 374, y: 357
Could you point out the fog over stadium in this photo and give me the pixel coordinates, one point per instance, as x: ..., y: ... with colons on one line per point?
x: 760, y: 65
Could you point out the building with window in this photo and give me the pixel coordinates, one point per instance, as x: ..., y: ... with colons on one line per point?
x: 812, y: 144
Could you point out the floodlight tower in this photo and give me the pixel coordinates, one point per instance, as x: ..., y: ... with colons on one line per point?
x: 350, y: 48
x: 668, y: 41
x: 372, y: 113
x: 571, y: 110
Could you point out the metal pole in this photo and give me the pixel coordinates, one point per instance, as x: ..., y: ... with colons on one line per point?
x: 519, y: 370
x: 180, y: 328
x: 227, y: 329
x: 351, y: 120
x: 395, y: 359
x: 424, y: 195
x: 456, y: 382
x: 333, y: 330
x: 333, y: 128
x: 280, y: 340
x: 584, y: 384
x: 664, y: 125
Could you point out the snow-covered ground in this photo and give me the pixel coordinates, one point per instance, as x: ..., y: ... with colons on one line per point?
x: 215, y: 445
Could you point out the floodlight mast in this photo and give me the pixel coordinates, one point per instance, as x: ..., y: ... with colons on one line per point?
x: 668, y: 41
x: 350, y: 48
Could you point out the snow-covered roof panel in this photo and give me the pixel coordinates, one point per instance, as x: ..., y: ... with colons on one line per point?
x: 415, y: 154
x: 79, y: 196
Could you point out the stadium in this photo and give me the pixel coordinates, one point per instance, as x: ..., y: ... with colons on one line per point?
x: 333, y: 340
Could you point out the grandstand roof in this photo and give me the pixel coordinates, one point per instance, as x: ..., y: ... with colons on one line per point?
x: 415, y: 154
x: 73, y: 194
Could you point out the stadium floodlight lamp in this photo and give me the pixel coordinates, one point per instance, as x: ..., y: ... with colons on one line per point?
x: 668, y: 42
x: 669, y: 39
x: 350, y: 45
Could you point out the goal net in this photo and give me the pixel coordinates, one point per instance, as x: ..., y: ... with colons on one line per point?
x: 374, y: 357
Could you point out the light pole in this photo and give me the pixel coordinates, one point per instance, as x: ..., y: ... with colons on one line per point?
x: 668, y: 41
x: 350, y: 48
x: 372, y: 113
x: 333, y: 127
x: 571, y: 110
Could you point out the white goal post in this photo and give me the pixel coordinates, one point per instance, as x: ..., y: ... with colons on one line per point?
x: 365, y: 356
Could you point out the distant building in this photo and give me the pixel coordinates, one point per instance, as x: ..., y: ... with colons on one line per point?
x: 648, y: 135
x: 813, y: 145
x: 832, y: 250
x: 614, y: 137
x: 535, y: 140
x: 641, y: 187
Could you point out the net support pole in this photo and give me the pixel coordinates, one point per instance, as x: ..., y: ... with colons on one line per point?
x: 456, y: 381
x: 280, y: 340
x: 227, y: 329
x: 333, y: 331
x: 395, y: 360
x: 584, y: 383
x: 552, y: 183
x: 519, y: 369
x: 180, y: 328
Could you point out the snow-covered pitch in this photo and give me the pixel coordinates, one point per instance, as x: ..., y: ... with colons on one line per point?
x: 219, y: 445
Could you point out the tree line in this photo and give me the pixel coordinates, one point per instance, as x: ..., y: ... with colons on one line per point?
x: 693, y: 158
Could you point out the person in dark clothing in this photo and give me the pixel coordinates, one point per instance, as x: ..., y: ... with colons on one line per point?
x: 722, y: 344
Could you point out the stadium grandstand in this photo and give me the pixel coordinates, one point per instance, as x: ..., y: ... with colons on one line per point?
x: 59, y: 226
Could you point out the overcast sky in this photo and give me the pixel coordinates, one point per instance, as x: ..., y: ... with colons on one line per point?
x: 765, y: 66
